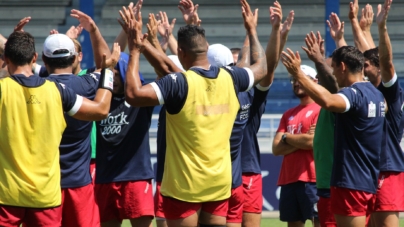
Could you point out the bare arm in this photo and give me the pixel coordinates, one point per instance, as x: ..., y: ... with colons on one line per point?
x: 284, y: 29
x: 365, y: 24
x: 95, y: 110
x: 273, y: 47
x: 244, y: 55
x: 331, y: 102
x: 324, y: 72
x: 152, y: 33
x: 359, y: 37
x: 300, y: 141
x: 257, y: 53
x: 166, y: 30
x: 98, y: 43
x: 337, y: 30
x: 281, y: 148
x: 385, y: 50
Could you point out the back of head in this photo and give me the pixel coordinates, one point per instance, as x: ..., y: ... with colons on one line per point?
x: 351, y: 57
x: 58, y: 51
x: 219, y: 55
x: 373, y: 56
x: 20, y: 48
x: 191, y: 38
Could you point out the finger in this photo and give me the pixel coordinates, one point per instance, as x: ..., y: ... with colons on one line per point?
x: 319, y: 38
x: 306, y: 50
x: 165, y: 17
x: 173, y: 22
x: 297, y: 55
x: 148, y: 28
x: 104, y: 61
x: 308, y: 43
x: 329, y: 23
x: 181, y: 8
x: 291, y: 54
x: 342, y: 26
x: 313, y: 37
x: 123, y: 25
x: 196, y: 8
x: 256, y: 13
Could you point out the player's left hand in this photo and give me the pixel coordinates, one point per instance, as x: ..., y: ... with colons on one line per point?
x: 291, y: 61
x: 21, y: 24
x: 382, y: 13
x: 113, y: 59
x: 85, y: 21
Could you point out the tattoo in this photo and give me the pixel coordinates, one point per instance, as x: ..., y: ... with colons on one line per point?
x: 326, y: 78
x: 244, y: 55
x: 257, y: 57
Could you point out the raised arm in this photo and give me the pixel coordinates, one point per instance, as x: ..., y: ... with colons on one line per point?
x: 324, y: 72
x: 284, y: 29
x: 166, y: 31
x: 273, y: 47
x: 98, y: 43
x: 189, y: 12
x: 331, y: 102
x: 152, y: 33
x: 359, y: 38
x: 244, y: 55
x: 365, y: 23
x: 336, y: 30
x: 385, y: 50
x: 257, y: 53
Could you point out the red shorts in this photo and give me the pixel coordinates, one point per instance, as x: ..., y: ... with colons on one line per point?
x: 79, y: 207
x: 236, y: 202
x: 348, y: 202
x: 158, y: 203
x: 92, y: 170
x: 125, y: 200
x: 390, y: 193
x: 177, y: 209
x: 11, y: 216
x: 325, y: 215
x: 252, y: 184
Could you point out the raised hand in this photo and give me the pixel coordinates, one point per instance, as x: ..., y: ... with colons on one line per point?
x: 74, y: 32
x: 287, y: 25
x: 189, y: 12
x: 113, y: 59
x: 353, y: 10
x: 275, y: 13
x: 126, y: 15
x: 382, y: 13
x: 152, y: 27
x: 250, y: 18
x: 313, y: 49
x: 21, y: 24
x: 291, y: 61
x: 53, y: 31
x: 336, y: 27
x: 366, y: 18
x: 85, y: 21
x: 165, y: 28
x: 136, y: 8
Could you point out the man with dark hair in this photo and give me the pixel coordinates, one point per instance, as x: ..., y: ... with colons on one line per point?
x: 372, y: 66
x: 359, y: 131
x: 32, y: 122
x: 196, y: 102
x: 75, y: 150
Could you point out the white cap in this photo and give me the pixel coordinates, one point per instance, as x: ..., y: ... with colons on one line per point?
x: 58, y: 42
x: 176, y: 61
x: 219, y: 55
x: 309, y: 71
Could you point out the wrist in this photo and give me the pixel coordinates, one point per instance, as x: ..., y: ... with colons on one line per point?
x: 283, y: 139
x: 382, y: 27
x: 252, y: 31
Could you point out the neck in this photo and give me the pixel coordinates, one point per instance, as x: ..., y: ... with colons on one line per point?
x: 25, y: 70
x: 77, y: 70
x: 353, y: 78
x: 199, y: 61
x: 306, y: 100
x: 68, y: 70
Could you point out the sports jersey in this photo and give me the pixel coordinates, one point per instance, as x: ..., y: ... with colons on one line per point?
x: 161, y: 144
x: 41, y: 71
x: 194, y: 142
x: 31, y: 124
x: 393, y: 158
x: 359, y: 138
x: 75, y: 149
x: 123, y: 149
x: 250, y: 150
x: 323, y: 148
x: 299, y: 165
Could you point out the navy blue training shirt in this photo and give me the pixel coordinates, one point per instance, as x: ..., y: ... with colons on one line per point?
x: 393, y: 158
x: 161, y: 144
x: 123, y: 148
x: 75, y: 147
x: 359, y: 138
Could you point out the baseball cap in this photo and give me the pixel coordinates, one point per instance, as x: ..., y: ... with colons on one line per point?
x: 122, y: 67
x: 176, y: 61
x: 219, y: 55
x: 59, y: 42
x: 309, y: 71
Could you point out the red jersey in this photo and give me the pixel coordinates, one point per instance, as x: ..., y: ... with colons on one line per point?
x: 299, y: 165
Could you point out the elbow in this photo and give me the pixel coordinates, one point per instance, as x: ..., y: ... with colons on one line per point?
x: 275, y: 151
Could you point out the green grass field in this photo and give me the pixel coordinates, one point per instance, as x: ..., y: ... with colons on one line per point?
x: 266, y: 222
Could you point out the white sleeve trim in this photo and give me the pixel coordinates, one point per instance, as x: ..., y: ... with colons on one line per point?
x: 261, y: 88
x: 37, y: 69
x: 251, y: 76
x: 347, y: 103
x: 76, y: 106
x: 158, y: 92
x: 391, y: 82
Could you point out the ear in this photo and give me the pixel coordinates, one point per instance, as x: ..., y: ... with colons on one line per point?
x: 80, y: 56
x: 34, y: 58
x: 343, y: 67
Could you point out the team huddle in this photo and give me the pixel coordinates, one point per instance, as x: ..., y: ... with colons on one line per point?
x: 74, y: 144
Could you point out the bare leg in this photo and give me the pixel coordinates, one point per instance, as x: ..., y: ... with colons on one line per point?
x: 296, y: 224
x: 210, y: 219
x: 347, y: 221
x: 190, y: 221
x: 161, y: 223
x: 112, y: 223
x: 144, y: 221
x: 385, y: 219
x: 251, y: 219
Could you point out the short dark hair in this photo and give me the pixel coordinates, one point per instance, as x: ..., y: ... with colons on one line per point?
x: 351, y: 56
x: 235, y: 50
x: 373, y: 56
x: 192, y: 38
x: 59, y: 63
x: 20, y: 48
